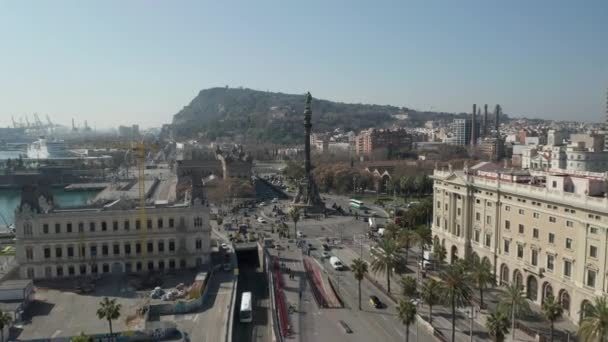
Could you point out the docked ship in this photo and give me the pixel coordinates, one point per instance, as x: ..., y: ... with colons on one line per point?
x: 45, y: 149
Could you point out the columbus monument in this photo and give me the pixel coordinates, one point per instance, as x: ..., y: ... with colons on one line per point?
x: 308, y: 192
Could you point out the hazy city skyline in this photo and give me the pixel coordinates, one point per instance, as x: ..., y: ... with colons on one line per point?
x: 115, y: 63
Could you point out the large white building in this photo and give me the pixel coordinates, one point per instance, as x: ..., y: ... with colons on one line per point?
x: 544, y: 230
x: 118, y: 237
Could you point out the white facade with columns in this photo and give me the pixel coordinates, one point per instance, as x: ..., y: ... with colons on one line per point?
x: 546, y: 230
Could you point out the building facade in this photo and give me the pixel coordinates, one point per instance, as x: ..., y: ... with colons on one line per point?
x: 461, y: 131
x: 545, y: 231
x: 53, y: 243
x: 372, y: 139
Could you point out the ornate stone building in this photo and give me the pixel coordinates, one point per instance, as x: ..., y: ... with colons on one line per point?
x: 546, y: 231
x: 110, y: 238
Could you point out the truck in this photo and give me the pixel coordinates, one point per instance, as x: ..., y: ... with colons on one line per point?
x: 427, y: 260
x: 373, y: 224
x: 336, y: 263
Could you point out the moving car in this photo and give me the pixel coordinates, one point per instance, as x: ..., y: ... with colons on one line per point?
x: 325, y: 255
x: 300, y: 234
x: 224, y: 246
x: 375, y: 301
x: 261, y: 220
x: 336, y: 263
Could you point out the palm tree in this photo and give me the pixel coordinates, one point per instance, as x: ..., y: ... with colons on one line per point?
x: 594, y: 326
x: 392, y: 230
x: 408, y: 286
x: 294, y: 213
x: 498, y: 325
x: 439, y: 252
x: 5, y: 319
x: 431, y: 295
x: 482, y: 275
x: 406, y: 238
x: 385, y: 258
x: 406, y: 312
x: 359, y: 269
x: 514, y: 301
x: 81, y: 338
x: 109, y: 310
x: 552, y: 311
x: 423, y: 237
x: 457, y: 292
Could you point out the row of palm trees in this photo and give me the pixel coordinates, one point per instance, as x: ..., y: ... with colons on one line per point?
x: 455, y: 286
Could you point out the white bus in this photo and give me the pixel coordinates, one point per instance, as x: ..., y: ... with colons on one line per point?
x: 355, y: 203
x: 246, y: 312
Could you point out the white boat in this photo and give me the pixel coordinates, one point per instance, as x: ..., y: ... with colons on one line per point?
x: 45, y: 149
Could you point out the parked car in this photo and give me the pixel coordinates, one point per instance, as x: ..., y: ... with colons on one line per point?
x: 325, y: 255
x: 300, y: 234
x: 261, y: 220
x: 375, y: 302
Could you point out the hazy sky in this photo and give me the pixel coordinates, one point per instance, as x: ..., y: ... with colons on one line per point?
x: 123, y: 62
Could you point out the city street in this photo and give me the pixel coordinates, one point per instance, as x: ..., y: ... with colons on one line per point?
x: 315, y: 323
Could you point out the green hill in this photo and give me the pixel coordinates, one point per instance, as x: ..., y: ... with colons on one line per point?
x: 275, y: 117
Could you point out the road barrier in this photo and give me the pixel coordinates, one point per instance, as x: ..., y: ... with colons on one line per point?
x: 268, y: 267
x: 315, y: 281
x: 281, y: 305
x: 230, y: 318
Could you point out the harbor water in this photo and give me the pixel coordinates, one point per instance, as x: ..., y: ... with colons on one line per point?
x: 10, y: 198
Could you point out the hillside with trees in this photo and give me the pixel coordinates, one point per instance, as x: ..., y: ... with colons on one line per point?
x: 277, y: 117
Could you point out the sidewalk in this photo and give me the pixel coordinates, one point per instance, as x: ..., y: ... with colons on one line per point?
x: 534, y: 321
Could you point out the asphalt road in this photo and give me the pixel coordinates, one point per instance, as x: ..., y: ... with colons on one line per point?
x: 252, y: 278
x: 208, y: 324
x: 369, y: 323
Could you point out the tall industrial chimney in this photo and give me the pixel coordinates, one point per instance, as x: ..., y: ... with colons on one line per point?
x: 606, y: 128
x: 473, y: 137
x: 485, y: 120
x: 497, y: 118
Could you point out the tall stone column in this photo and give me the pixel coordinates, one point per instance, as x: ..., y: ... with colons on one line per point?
x: 307, y: 128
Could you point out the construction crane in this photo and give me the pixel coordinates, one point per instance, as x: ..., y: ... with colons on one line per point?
x: 37, y: 121
x: 143, y: 218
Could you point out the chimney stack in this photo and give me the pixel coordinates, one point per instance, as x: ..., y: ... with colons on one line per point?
x: 473, y: 137
x: 485, y: 120
x: 497, y: 118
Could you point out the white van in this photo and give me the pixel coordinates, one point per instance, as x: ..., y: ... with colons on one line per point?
x: 336, y: 263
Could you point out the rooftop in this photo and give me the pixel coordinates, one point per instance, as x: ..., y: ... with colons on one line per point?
x: 15, y: 284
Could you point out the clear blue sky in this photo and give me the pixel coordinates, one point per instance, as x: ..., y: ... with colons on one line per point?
x: 122, y: 62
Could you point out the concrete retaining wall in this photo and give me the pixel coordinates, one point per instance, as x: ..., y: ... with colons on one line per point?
x: 184, y: 306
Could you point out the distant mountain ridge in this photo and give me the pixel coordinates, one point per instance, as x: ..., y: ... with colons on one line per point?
x: 277, y: 117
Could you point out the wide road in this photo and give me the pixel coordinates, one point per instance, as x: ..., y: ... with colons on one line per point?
x: 208, y: 324
x: 252, y: 278
x: 369, y: 323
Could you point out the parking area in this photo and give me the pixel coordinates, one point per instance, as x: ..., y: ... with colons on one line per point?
x: 66, y: 308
